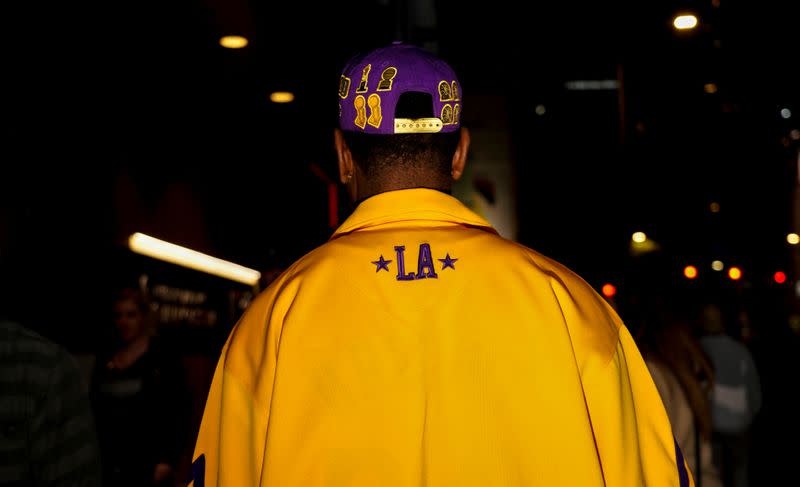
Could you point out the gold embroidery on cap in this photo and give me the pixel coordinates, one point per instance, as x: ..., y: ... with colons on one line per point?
x: 387, y: 78
x: 444, y: 91
x: 344, y: 86
x: 362, y: 87
x: 456, y: 113
x: 455, y: 91
x: 428, y: 125
x: 447, y: 114
x: 361, y: 111
x: 375, y: 116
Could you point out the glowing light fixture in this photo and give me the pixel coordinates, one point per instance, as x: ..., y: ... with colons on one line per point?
x: 281, y: 97
x: 609, y: 290
x: 793, y: 239
x: 690, y: 271
x: 639, y: 237
x: 735, y: 273
x: 684, y: 22
x: 233, y: 42
x: 717, y: 265
x: 714, y: 207
x: 592, y: 84
x: 710, y: 88
x: 175, y: 254
x: 779, y: 277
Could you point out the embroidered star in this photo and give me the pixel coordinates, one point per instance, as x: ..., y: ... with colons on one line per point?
x: 382, y: 264
x: 448, y: 262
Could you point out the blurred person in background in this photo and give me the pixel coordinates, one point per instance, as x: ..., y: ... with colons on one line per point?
x: 140, y: 400
x: 736, y: 396
x: 47, y: 432
x: 684, y: 376
x: 776, y: 350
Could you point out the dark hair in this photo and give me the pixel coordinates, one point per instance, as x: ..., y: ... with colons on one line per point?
x: 377, y: 154
x: 666, y: 336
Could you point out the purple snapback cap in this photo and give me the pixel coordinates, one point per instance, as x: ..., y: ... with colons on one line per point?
x: 372, y: 83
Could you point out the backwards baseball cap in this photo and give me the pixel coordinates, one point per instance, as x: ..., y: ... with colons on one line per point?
x: 399, y: 89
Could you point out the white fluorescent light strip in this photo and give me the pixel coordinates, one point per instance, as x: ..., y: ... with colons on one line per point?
x: 175, y: 254
x: 592, y: 85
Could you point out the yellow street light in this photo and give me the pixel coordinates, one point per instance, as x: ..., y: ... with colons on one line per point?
x: 685, y: 22
x: 282, y: 97
x: 233, y: 42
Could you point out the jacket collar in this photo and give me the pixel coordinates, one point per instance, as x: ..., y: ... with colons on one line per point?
x: 410, y: 204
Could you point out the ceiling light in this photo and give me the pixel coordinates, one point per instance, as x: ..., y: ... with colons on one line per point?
x: 233, y: 42
x: 282, y: 97
x: 683, y: 22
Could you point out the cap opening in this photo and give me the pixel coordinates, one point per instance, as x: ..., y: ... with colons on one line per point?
x: 414, y: 104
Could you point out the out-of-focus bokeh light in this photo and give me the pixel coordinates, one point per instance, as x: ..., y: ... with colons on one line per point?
x: 714, y: 207
x: 794, y: 134
x: 793, y: 238
x: 609, y: 290
x: 233, y: 42
x: 540, y: 109
x: 786, y: 113
x: 779, y: 277
x: 735, y: 273
x: 717, y: 265
x: 282, y: 97
x: 690, y: 271
x: 639, y: 237
x: 710, y: 88
x: 683, y: 22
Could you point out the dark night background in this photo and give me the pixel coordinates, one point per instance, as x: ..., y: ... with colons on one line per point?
x: 129, y: 116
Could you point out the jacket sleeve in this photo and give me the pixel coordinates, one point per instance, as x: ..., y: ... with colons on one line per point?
x: 229, y: 449
x: 632, y: 431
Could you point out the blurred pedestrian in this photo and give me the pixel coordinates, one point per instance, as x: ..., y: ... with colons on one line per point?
x: 47, y: 431
x: 684, y: 376
x: 736, y: 397
x: 140, y: 400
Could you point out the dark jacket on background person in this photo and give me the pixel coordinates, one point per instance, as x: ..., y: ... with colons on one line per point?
x: 47, y: 432
x: 142, y: 415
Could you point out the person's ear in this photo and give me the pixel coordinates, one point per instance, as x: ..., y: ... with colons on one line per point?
x: 460, y: 155
x: 345, y: 158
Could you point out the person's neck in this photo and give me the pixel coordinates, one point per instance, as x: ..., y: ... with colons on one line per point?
x: 392, y: 188
x: 369, y: 190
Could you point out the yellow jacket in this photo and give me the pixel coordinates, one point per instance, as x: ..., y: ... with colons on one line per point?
x: 419, y: 348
